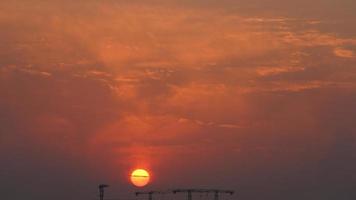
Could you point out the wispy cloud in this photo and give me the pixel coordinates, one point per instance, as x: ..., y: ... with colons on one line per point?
x: 344, y: 53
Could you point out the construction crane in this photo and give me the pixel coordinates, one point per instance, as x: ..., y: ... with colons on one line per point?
x: 215, y: 191
x: 150, y: 193
x: 101, y: 190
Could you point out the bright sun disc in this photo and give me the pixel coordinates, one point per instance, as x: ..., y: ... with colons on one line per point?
x: 140, y: 177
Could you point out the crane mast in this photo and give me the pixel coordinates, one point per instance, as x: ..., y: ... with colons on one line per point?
x: 101, y: 190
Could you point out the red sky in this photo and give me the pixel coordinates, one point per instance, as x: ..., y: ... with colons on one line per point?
x: 254, y: 96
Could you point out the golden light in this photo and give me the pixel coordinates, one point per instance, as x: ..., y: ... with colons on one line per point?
x: 140, y: 177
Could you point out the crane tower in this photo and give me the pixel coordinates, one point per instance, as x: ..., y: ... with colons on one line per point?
x: 101, y: 190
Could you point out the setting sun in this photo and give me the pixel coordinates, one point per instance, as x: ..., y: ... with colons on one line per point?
x: 140, y: 177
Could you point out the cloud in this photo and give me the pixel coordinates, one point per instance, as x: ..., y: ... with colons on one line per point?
x: 344, y: 53
x: 312, y: 38
x: 266, y: 71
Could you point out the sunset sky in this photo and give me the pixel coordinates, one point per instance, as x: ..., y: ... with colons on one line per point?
x: 257, y: 96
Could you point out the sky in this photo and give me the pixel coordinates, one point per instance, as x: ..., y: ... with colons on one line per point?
x: 256, y: 96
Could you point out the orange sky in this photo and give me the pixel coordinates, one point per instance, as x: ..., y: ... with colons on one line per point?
x: 256, y: 96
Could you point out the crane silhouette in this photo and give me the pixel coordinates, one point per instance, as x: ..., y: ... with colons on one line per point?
x: 215, y: 191
x: 150, y: 193
x: 101, y: 190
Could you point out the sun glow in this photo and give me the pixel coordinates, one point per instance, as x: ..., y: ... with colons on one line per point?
x: 140, y: 177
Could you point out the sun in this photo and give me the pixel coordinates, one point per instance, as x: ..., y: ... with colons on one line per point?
x: 140, y: 177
